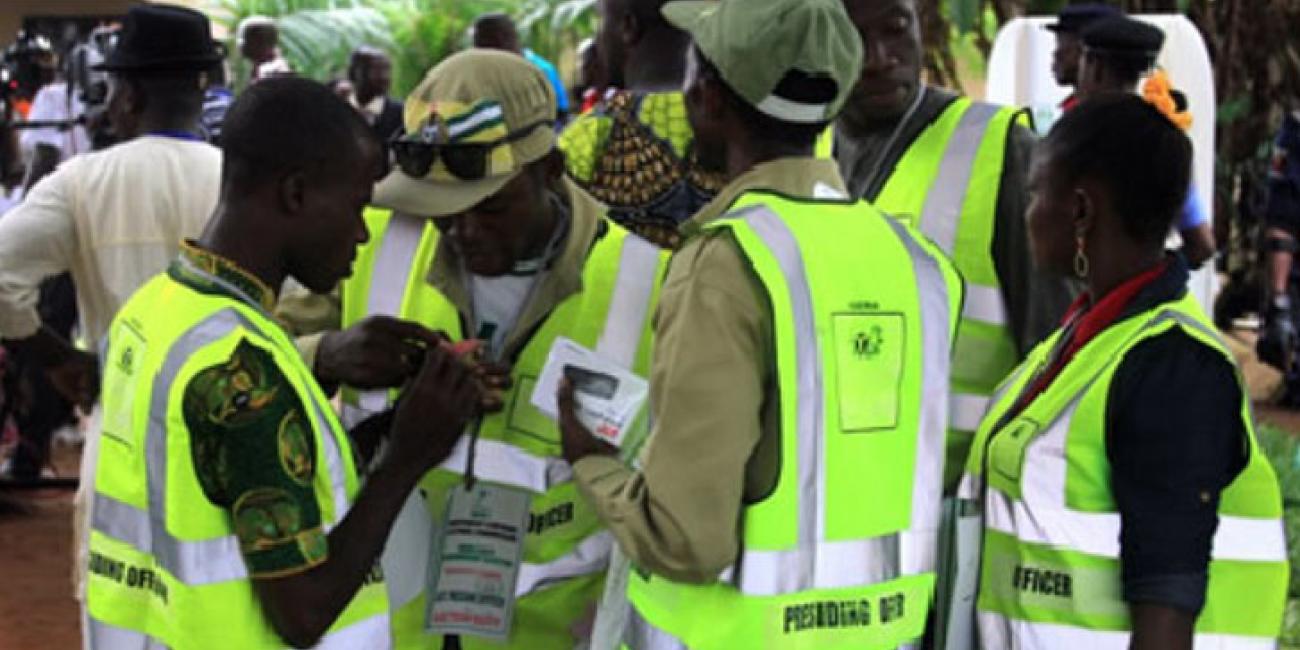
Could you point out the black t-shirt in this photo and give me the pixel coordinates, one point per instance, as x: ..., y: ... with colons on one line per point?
x: 1175, y: 439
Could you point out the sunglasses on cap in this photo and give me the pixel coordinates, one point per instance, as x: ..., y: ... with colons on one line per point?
x: 466, y: 161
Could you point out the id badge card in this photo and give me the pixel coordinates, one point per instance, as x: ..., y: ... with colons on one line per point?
x: 475, y: 565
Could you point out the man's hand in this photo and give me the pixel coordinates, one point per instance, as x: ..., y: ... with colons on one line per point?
x: 378, y: 352
x: 73, y: 373
x: 576, y: 440
x: 77, y: 379
x: 433, y: 411
x: 494, y: 378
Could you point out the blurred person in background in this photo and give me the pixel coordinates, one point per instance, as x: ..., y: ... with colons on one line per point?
x: 258, y: 40
x: 1278, y: 338
x: 370, y: 72
x: 114, y: 218
x: 497, y: 31
x: 1117, y: 52
x: 589, y: 87
x: 636, y: 151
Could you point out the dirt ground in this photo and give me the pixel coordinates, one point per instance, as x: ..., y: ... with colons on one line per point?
x: 37, y: 611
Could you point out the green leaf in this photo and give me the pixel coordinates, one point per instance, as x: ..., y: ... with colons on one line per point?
x: 569, y: 13
x: 1234, y: 109
x: 962, y: 13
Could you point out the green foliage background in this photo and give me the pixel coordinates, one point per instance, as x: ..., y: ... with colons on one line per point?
x: 1283, y: 451
x: 316, y: 36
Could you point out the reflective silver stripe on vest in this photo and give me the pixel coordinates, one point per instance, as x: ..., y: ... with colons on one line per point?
x: 816, y: 564
x: 396, y: 255
x: 192, y: 562
x: 350, y: 416
x: 984, y: 304
x: 801, y: 563
x: 502, y: 462
x: 919, y: 547
x: 997, y: 631
x: 372, y: 632
x: 591, y: 555
x: 1045, y: 518
x: 941, y: 221
x: 943, y: 206
x: 103, y: 636
x: 637, y: 265
x: 967, y: 411
x: 207, y: 561
x: 1242, y: 539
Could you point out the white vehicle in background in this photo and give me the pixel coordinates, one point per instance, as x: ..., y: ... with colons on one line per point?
x: 1020, y: 74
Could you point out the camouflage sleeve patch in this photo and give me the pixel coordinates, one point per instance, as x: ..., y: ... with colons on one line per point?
x: 254, y: 453
x: 582, y: 141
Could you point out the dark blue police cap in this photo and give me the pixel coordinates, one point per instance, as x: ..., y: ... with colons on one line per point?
x: 1123, y: 36
x: 1074, y: 18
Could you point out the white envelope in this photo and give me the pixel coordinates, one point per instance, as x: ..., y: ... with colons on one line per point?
x: 609, y: 397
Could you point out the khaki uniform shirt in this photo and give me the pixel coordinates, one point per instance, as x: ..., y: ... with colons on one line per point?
x: 716, y: 441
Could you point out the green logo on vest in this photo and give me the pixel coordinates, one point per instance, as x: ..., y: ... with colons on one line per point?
x: 868, y: 343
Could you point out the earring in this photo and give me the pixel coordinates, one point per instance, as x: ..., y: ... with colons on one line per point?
x: 1081, y: 266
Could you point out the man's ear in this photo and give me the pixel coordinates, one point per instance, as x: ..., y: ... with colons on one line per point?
x: 293, y: 193
x: 711, y: 99
x: 554, y: 166
x: 132, y: 100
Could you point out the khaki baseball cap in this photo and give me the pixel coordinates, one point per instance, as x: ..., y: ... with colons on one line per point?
x: 490, y: 100
x: 754, y: 44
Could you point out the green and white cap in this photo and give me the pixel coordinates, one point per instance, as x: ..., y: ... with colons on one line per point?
x: 757, y: 44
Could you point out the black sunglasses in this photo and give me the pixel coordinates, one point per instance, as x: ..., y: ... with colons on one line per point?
x: 468, y: 161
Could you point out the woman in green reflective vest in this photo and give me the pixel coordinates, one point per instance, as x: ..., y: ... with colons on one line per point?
x: 1125, y: 502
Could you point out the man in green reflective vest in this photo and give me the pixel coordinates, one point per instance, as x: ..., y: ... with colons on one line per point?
x: 228, y: 508
x: 956, y: 169
x: 789, y: 493
x: 484, y: 238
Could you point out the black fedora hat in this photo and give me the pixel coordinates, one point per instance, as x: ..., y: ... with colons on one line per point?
x: 163, y: 37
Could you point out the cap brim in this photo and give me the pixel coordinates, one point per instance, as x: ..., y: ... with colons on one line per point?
x: 1054, y: 27
x: 425, y: 198
x: 685, y: 14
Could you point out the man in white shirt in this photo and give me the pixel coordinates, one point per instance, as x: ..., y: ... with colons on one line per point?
x: 258, y: 39
x: 115, y: 218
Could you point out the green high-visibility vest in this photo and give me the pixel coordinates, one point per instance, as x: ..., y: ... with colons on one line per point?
x: 1050, y: 568
x: 841, y: 554
x: 566, y: 550
x: 165, y: 562
x: 947, y: 184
